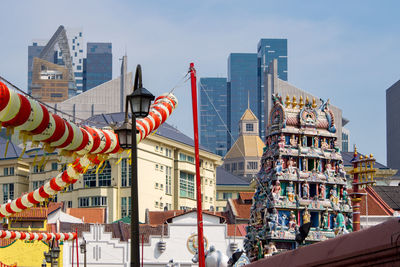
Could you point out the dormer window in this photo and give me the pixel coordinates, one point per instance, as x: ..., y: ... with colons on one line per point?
x: 249, y: 127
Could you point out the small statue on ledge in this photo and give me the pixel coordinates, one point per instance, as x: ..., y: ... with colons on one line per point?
x: 290, y: 192
x: 292, y: 221
x: 306, y: 190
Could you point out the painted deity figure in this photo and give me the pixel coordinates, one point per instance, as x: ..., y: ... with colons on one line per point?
x: 293, y: 141
x: 325, y: 219
x: 322, y: 191
x: 278, y: 167
x: 306, y: 190
x: 306, y: 216
x: 268, y: 166
x: 274, y: 220
x: 341, y: 171
x: 324, y: 144
x: 316, y: 139
x: 276, y: 191
x: 281, y: 143
x: 291, y: 166
x: 292, y: 221
x: 333, y: 195
x: 328, y: 170
x: 290, y: 192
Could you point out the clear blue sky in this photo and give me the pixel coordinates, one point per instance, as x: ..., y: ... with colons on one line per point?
x: 347, y: 51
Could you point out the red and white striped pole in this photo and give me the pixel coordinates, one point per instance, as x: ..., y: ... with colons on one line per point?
x: 200, y: 237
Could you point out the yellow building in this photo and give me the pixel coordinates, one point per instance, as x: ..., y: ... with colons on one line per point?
x: 166, y: 174
x: 243, y: 158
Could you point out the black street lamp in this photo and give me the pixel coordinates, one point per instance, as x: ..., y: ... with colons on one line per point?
x: 83, y: 250
x: 140, y: 101
x: 52, y: 256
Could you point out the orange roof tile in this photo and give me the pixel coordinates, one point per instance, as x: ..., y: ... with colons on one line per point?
x: 246, y: 195
x: 89, y: 215
x: 240, y: 229
x: 241, y: 210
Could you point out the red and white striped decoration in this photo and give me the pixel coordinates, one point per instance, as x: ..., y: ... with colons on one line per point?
x: 28, y: 236
x: 92, y: 145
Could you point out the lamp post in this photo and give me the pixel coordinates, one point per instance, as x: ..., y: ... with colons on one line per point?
x: 83, y: 251
x: 140, y: 101
x: 52, y: 256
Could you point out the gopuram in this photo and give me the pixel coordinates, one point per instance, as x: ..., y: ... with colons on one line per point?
x: 301, y: 183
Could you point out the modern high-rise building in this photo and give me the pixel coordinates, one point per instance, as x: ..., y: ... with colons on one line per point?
x: 98, y: 65
x: 267, y: 51
x: 393, y: 126
x: 34, y: 50
x: 213, y: 114
x: 242, y: 89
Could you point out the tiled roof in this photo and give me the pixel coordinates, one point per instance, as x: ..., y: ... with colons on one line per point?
x: 246, y: 195
x: 241, y: 210
x: 348, y: 156
x: 390, y: 194
x: 165, y: 130
x: 37, y: 213
x: 246, y: 146
x: 89, y: 215
x: 160, y: 217
x: 227, y: 178
x: 13, y: 151
x: 376, y: 205
x: 240, y: 229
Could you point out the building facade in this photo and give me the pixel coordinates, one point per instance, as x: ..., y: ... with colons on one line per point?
x: 166, y: 176
x: 393, y: 126
x: 267, y: 51
x: 242, y: 87
x: 97, y: 65
x: 213, y: 114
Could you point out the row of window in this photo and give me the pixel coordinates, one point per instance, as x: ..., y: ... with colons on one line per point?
x: 184, y: 157
x: 36, y: 169
x: 8, y: 192
x: 103, y: 176
x: 8, y: 171
x: 165, y: 151
x: 251, y: 165
x: 160, y: 205
x: 97, y: 201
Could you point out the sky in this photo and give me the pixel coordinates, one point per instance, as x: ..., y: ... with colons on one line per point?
x: 347, y: 51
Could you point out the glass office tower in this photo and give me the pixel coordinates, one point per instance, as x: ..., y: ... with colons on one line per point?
x: 97, y: 67
x: 242, y: 89
x: 213, y: 114
x: 267, y: 50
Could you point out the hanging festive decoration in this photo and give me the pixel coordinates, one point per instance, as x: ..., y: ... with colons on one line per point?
x: 88, y: 146
x: 28, y: 236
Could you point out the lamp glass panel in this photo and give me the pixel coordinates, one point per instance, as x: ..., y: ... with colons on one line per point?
x: 135, y: 104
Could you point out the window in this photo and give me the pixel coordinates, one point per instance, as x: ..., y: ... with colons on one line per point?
x: 228, y: 167
x: 168, y: 181
x: 99, y: 201
x: 89, y: 179
x: 252, y: 165
x: 156, y: 148
x: 124, y: 172
x: 249, y: 127
x: 162, y: 168
x: 241, y: 165
x: 190, y: 159
x: 156, y: 204
x: 161, y: 149
x: 234, y: 166
x: 156, y: 186
x: 105, y: 175
x: 211, y: 199
x: 69, y: 204
x: 37, y: 184
x: 54, y: 166
x: 8, y: 192
x: 186, y: 185
x: 37, y: 170
x: 11, y: 170
x: 157, y: 167
x: 161, y: 186
x: 226, y: 195
x: 168, y: 152
x: 5, y: 171
x: 182, y: 157
x: 125, y: 207
x: 83, y: 202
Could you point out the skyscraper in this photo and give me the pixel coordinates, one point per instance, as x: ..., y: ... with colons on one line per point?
x: 213, y: 114
x: 268, y: 50
x: 242, y: 89
x: 98, y: 65
x: 34, y: 50
x: 393, y: 126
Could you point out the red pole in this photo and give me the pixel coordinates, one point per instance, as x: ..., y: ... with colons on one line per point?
x: 198, y: 179
x: 142, y: 248
x: 356, y: 198
x: 77, y: 246
x: 73, y: 253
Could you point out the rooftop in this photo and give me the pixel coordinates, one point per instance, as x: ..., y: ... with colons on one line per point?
x: 390, y: 194
x: 348, y: 156
x: 227, y: 178
x: 89, y: 215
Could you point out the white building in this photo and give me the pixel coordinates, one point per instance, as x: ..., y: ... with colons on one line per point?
x: 179, y: 237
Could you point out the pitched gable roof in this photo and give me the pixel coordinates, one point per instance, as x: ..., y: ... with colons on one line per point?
x: 246, y: 146
x: 390, y: 194
x: 248, y: 115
